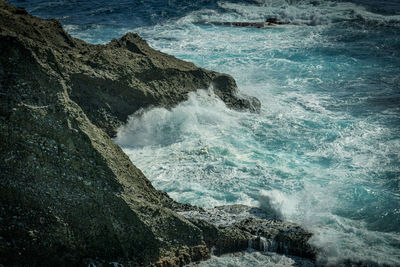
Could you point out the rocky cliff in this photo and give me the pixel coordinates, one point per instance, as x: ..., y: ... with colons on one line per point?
x: 69, y: 194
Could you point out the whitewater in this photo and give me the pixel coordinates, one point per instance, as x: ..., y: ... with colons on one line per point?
x: 324, y: 151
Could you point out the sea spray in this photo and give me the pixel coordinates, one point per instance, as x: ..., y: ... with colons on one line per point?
x: 323, y: 152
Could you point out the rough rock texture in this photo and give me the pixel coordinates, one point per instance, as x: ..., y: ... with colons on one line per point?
x: 136, y: 76
x: 252, y: 228
x: 67, y: 192
x: 110, y: 82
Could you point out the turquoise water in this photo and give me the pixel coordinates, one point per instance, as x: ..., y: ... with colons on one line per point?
x: 325, y: 150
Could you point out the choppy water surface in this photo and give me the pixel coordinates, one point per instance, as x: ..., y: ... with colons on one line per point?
x: 325, y: 150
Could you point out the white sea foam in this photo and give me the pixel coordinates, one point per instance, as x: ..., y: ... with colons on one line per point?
x: 256, y: 259
x: 309, y: 12
x: 191, y: 140
x: 206, y: 155
x: 313, y: 155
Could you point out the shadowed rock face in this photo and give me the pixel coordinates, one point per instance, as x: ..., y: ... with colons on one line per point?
x: 67, y: 192
x: 110, y: 82
x: 132, y: 75
x: 252, y: 228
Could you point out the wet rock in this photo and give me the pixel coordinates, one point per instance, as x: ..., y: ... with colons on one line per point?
x: 113, y: 81
x: 237, y: 227
x: 237, y: 24
x: 68, y: 193
x: 226, y: 89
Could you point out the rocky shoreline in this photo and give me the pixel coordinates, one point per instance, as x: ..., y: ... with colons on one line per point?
x: 69, y: 195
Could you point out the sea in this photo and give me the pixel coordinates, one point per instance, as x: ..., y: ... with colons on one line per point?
x: 324, y: 152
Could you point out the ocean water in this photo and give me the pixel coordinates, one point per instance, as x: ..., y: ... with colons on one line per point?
x: 325, y: 150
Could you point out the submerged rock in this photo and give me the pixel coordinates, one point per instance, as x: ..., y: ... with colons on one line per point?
x: 269, y: 23
x: 68, y: 194
x: 246, y: 24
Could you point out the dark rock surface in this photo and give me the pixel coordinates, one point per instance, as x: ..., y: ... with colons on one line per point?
x: 270, y: 23
x: 110, y: 82
x: 67, y: 192
x: 136, y: 76
x: 253, y: 228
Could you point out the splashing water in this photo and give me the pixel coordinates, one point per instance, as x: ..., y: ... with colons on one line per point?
x: 325, y: 150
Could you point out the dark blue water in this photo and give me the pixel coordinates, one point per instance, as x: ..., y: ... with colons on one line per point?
x: 325, y: 150
x: 112, y: 16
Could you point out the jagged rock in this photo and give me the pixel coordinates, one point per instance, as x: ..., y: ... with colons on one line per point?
x: 251, y: 228
x: 110, y: 82
x: 68, y: 193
